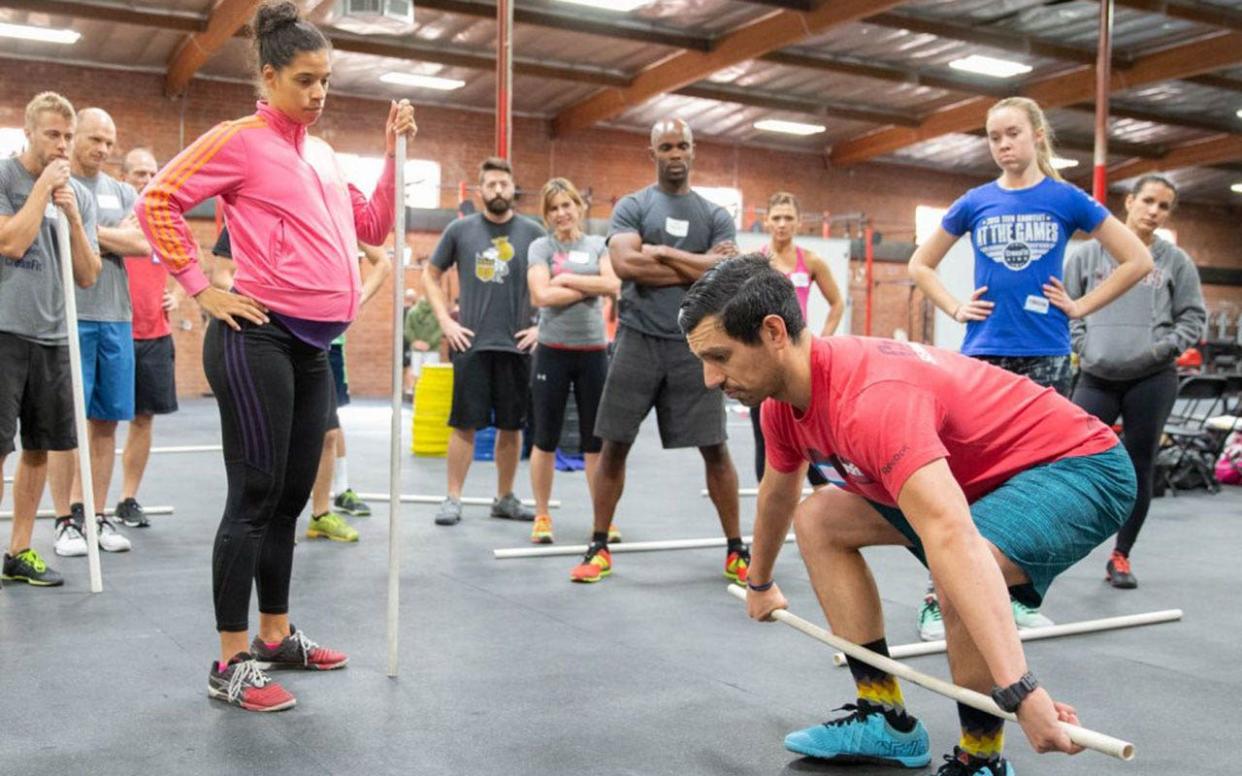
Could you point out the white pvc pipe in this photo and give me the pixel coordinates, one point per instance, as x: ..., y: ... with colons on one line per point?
x: 419, y: 498
x: 578, y: 549
x: 183, y: 449
x: 753, y: 492
x: 1035, y: 634
x: 110, y: 512
x: 394, y: 431
x: 1090, y: 739
x: 68, y: 286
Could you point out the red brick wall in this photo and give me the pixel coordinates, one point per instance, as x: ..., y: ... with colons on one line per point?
x: 610, y: 162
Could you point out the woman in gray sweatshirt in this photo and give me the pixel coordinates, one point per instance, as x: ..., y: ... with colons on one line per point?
x: 1126, y: 350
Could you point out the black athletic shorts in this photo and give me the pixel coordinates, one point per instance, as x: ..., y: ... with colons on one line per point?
x: 340, y: 385
x: 37, y: 391
x: 155, y: 376
x: 490, y: 388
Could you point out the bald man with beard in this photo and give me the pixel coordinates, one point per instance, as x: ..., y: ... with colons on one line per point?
x: 661, y: 239
x: 105, y: 333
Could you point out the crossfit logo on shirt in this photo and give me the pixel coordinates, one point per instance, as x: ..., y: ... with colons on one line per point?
x: 492, y: 265
x: 1017, y: 241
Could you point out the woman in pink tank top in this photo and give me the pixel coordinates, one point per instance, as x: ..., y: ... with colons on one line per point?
x: 804, y: 269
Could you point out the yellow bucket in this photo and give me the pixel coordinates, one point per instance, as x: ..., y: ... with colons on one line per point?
x: 433, y: 400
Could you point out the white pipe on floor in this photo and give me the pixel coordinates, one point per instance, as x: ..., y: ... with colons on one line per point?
x: 183, y: 449
x: 1105, y: 744
x: 419, y: 498
x: 578, y: 549
x: 69, y: 289
x: 1035, y: 634
x: 753, y: 492
x: 110, y: 512
x: 394, y: 432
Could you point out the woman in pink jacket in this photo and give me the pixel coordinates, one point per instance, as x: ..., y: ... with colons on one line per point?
x: 294, y: 223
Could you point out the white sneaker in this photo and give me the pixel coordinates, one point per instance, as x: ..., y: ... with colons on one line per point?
x: 1027, y: 617
x: 931, y: 622
x: 110, y: 539
x: 69, y: 540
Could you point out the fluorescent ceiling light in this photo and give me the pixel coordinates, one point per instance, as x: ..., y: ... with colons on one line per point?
x: 1240, y: 113
x: 620, y: 6
x: 1236, y: 188
x: 423, y: 81
x: 789, y: 127
x: 990, y: 66
x: 40, y: 34
x: 1061, y: 163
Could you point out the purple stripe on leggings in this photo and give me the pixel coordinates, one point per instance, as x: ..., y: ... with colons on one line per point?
x: 263, y: 440
x: 230, y: 369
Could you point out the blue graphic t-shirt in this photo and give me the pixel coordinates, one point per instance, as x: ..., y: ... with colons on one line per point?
x: 1019, y: 237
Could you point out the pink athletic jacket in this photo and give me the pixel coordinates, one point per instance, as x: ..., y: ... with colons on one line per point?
x: 293, y: 221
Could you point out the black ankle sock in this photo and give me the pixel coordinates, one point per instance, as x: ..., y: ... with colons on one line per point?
x: 600, y: 538
x: 736, y: 545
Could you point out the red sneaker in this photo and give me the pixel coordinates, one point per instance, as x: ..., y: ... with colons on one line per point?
x: 1119, y: 574
x: 242, y: 683
x: 296, y: 651
x: 595, y: 565
x: 737, y: 565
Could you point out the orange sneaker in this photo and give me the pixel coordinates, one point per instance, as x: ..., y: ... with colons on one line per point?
x: 595, y: 565
x: 737, y: 565
x: 614, y: 534
x: 541, y: 531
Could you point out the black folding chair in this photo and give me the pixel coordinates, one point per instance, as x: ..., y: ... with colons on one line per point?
x: 1189, y: 452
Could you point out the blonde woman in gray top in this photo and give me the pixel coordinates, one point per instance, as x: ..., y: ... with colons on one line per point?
x: 568, y: 272
x: 1127, y: 349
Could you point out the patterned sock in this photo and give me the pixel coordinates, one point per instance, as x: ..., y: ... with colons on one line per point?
x: 877, y: 688
x: 983, y: 735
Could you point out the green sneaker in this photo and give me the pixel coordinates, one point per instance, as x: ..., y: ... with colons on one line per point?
x: 332, y: 526
x: 1028, y: 616
x: 348, y: 503
x: 28, y: 567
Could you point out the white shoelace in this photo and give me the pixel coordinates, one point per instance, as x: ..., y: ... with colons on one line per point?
x: 246, y: 673
x: 305, y: 645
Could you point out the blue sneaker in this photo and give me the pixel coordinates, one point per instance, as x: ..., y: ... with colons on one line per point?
x: 863, y: 736
x: 961, y: 764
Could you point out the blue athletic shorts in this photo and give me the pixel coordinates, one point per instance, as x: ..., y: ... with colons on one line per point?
x: 1047, y: 518
x: 107, y: 369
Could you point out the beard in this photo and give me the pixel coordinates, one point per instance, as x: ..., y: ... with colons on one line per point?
x: 498, y: 206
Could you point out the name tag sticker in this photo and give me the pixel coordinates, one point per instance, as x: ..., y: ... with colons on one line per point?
x: 579, y: 257
x: 800, y: 279
x: 108, y: 202
x: 52, y: 211
x: 676, y: 227
x: 1036, y: 304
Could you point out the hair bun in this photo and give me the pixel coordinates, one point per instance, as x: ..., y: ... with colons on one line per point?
x: 273, y: 15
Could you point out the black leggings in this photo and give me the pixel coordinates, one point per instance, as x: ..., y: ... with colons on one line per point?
x: 273, y: 392
x: 1144, y: 406
x: 813, y: 474
x: 555, y: 370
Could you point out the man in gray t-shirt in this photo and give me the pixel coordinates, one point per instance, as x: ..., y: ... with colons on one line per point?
x: 491, y: 337
x: 661, y: 240
x: 105, y: 336
x: 36, y: 190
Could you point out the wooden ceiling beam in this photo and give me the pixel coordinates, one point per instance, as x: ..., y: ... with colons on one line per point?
x: 769, y: 33
x: 820, y: 108
x: 1200, y: 13
x: 1215, y: 150
x: 226, y: 20
x: 110, y: 12
x: 605, y: 25
x: 1077, y: 86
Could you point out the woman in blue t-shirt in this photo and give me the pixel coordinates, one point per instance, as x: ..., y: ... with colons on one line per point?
x: 1019, y: 224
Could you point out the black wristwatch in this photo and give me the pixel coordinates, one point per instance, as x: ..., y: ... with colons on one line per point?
x: 1011, y: 697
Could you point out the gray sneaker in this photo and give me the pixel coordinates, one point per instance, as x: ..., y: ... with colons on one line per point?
x: 510, y: 508
x: 449, y: 512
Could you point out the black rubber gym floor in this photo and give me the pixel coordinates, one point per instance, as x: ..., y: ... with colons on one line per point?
x: 508, y: 668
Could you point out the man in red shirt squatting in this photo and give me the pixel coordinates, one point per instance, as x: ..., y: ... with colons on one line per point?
x: 990, y: 480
